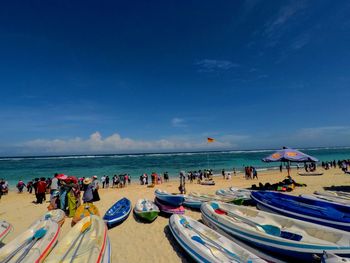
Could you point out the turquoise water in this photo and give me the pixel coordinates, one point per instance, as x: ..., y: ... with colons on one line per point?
x: 26, y: 168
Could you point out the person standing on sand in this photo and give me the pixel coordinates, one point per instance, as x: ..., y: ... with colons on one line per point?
x: 107, y: 181
x: 88, y: 196
x: 103, y: 180
x: 182, y: 188
x: 54, y: 185
x: 95, y: 187
x: 255, y: 173
x: 41, y: 190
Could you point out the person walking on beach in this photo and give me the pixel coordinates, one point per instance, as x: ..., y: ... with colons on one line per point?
x: 223, y: 173
x: 20, y: 186
x: 255, y: 173
x: 41, y: 190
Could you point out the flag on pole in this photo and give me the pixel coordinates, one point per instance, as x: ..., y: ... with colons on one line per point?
x: 209, y: 140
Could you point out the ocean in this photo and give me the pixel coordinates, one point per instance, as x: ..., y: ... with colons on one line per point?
x: 14, y: 169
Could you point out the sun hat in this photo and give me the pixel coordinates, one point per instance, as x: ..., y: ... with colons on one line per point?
x: 87, y: 180
x: 95, y: 177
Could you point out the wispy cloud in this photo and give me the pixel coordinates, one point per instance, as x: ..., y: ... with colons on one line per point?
x: 285, y: 14
x: 300, y: 42
x: 212, y: 65
x: 178, y: 122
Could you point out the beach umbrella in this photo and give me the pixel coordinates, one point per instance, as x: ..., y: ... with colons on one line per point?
x: 61, y: 177
x: 289, y: 155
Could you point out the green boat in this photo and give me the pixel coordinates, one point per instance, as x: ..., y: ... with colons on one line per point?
x: 146, y: 210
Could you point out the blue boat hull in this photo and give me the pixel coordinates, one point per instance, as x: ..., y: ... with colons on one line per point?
x: 173, y: 200
x: 118, y: 212
x: 318, y: 212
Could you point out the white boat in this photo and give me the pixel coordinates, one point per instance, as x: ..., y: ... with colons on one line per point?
x: 85, y: 242
x: 210, y: 197
x: 56, y: 215
x: 146, y: 210
x: 334, y: 195
x: 5, y: 229
x: 328, y: 199
x: 278, y: 234
x: 205, y: 244
x: 33, y: 245
x: 331, y: 258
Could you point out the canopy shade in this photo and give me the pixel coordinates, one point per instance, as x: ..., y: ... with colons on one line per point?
x: 289, y: 155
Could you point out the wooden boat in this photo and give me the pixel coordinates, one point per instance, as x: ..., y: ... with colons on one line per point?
x: 146, y: 210
x: 170, y: 199
x: 278, y: 234
x: 86, y: 242
x: 310, y: 173
x: 84, y: 210
x: 328, y: 199
x: 316, y: 211
x: 5, y: 229
x: 33, y: 245
x: 168, y: 209
x: 118, y: 212
x: 206, y: 245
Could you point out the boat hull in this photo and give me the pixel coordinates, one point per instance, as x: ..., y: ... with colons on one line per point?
x: 117, y: 213
x: 294, y: 249
x: 318, y: 212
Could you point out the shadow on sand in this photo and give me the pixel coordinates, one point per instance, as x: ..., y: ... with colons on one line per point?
x: 185, y: 258
x: 343, y: 188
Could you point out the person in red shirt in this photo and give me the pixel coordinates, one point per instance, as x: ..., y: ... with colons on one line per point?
x: 41, y: 190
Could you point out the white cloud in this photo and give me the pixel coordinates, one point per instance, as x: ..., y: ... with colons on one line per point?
x: 211, y: 65
x: 178, y: 122
x: 96, y: 143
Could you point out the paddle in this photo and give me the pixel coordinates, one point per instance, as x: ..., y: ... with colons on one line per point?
x: 85, y: 227
x: 269, y: 229
x: 186, y: 224
x: 202, y: 242
x: 37, y: 235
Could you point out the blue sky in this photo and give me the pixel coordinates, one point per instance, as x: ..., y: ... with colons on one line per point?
x: 140, y: 76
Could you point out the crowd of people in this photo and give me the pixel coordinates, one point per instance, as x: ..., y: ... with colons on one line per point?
x: 250, y: 172
x: 118, y: 181
x: 341, y: 164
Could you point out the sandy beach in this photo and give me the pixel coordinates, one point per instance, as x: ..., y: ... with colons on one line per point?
x: 134, y: 241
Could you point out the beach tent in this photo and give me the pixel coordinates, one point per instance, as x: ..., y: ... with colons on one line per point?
x: 289, y: 155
